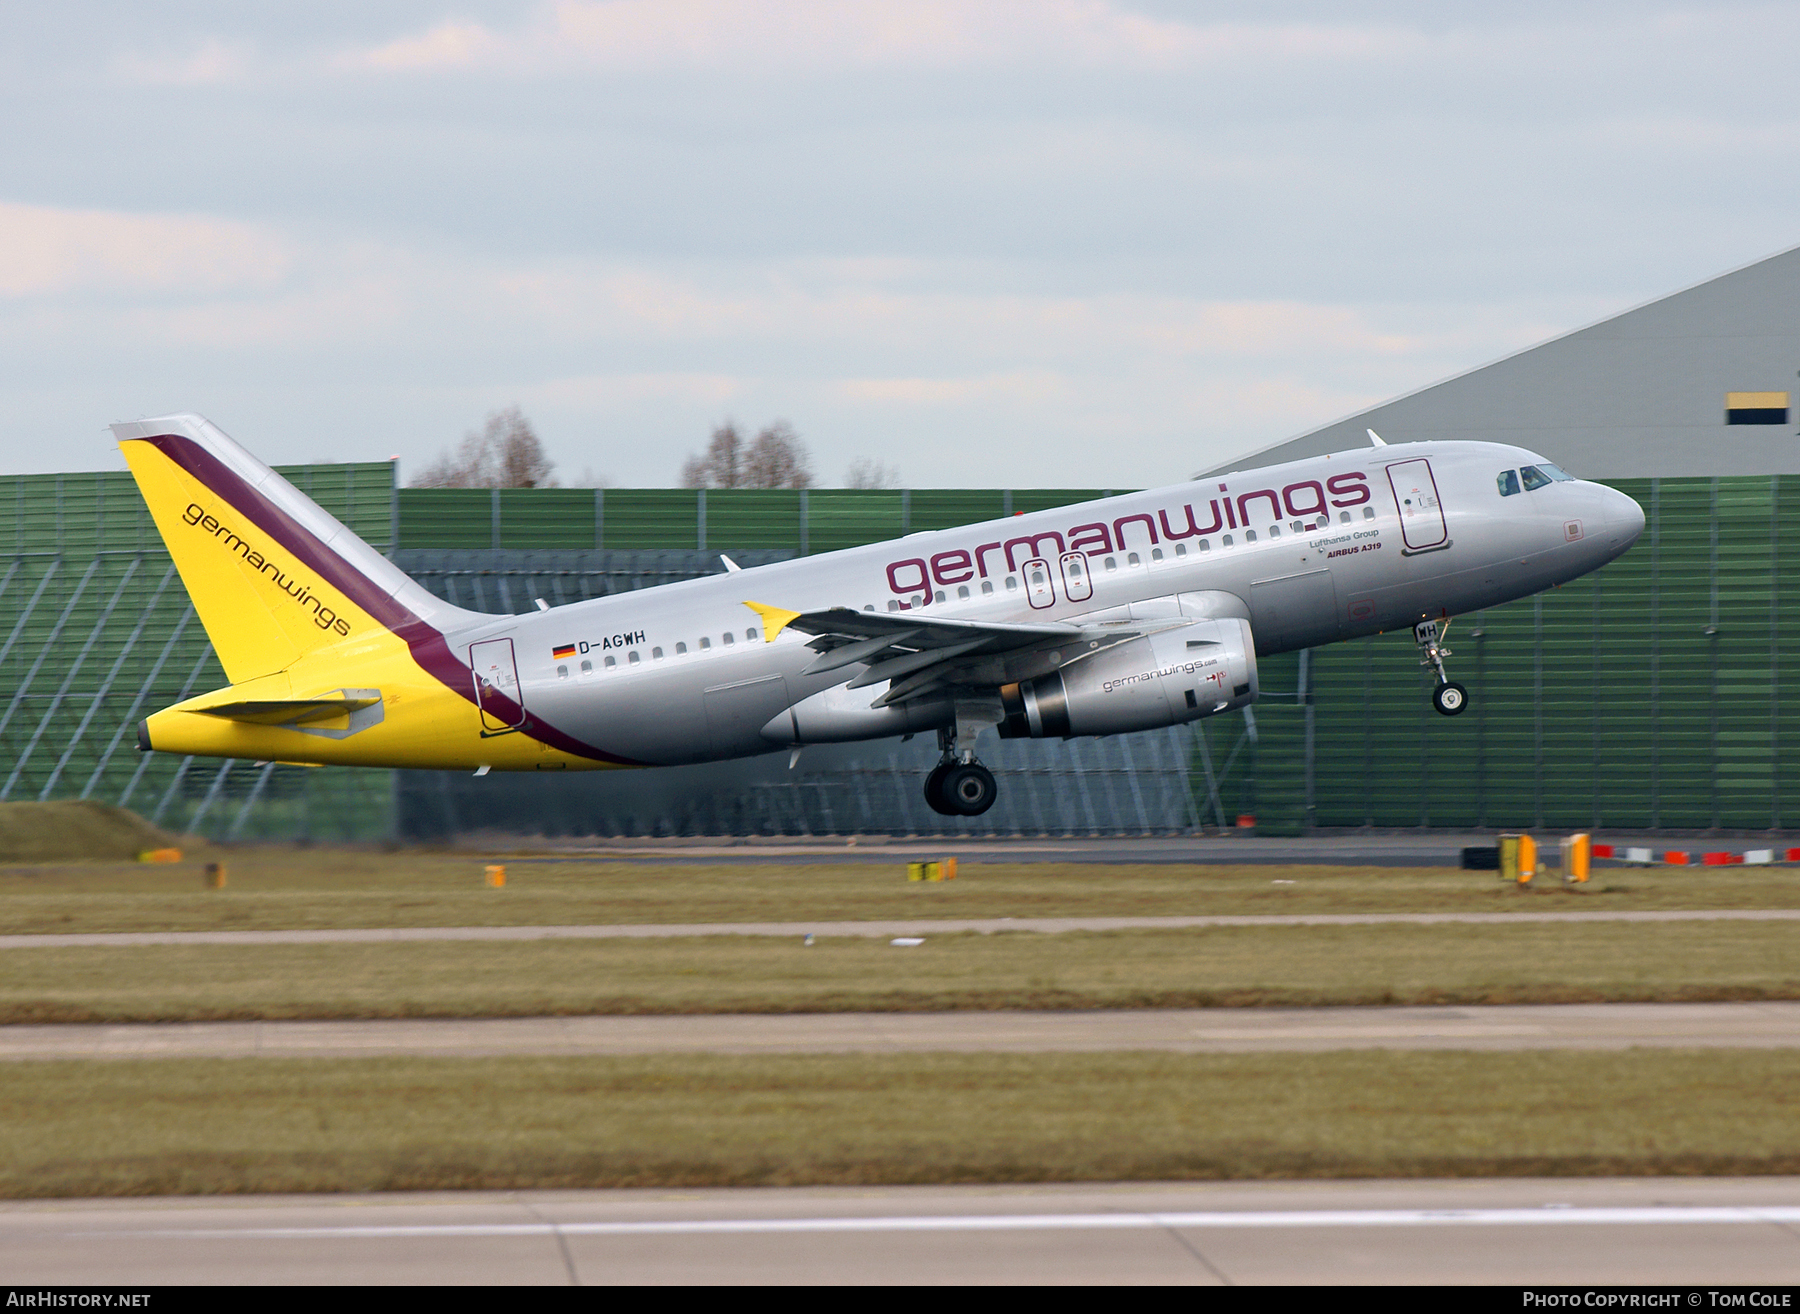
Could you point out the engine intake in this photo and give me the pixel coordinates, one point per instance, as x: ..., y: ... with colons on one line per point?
x: 1159, y: 680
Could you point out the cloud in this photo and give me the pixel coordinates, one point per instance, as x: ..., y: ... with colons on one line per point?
x: 953, y: 361
x: 215, y: 61
x: 45, y: 250
x: 659, y: 386
x: 1022, y: 386
x: 755, y: 36
x: 822, y: 303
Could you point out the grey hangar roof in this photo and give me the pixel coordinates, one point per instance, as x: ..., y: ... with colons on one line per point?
x: 1699, y: 382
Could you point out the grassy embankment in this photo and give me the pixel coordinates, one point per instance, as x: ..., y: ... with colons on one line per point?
x: 185, y: 1126
x: 273, y: 888
x: 139, y: 1127
x: 1232, y: 966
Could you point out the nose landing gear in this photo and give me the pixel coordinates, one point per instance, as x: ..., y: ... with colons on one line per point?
x: 959, y: 786
x: 1449, y: 698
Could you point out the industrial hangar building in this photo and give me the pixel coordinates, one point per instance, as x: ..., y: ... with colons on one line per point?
x: 1651, y: 696
x: 1691, y: 386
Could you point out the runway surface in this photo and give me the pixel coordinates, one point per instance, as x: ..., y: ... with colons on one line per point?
x: 1191, y: 1031
x: 870, y: 929
x: 1641, y: 1232
x: 1351, y: 849
x: 1435, y: 850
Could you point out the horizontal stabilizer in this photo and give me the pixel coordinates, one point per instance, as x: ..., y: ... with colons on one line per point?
x: 294, y: 711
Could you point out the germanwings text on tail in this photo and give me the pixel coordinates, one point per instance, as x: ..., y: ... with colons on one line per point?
x: 1124, y: 614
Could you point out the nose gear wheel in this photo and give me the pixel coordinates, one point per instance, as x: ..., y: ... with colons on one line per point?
x: 1448, y: 698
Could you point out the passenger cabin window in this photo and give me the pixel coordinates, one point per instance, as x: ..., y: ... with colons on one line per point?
x: 633, y: 657
x: 1205, y: 546
x: 1368, y: 513
x: 893, y: 604
x: 704, y: 645
x: 1181, y: 548
x: 938, y: 596
x: 680, y: 648
x: 1012, y: 583
x: 562, y: 672
x: 656, y: 653
x: 1509, y: 482
x: 1343, y: 517
x: 1274, y: 531
x: 1249, y: 536
x: 728, y: 639
x: 1133, y: 560
x: 611, y: 662
x: 750, y: 635
x: 1156, y: 554
x: 1112, y: 563
x: 987, y: 586
x: 1533, y: 478
x: 1225, y: 540
x: 587, y: 668
x: 962, y: 592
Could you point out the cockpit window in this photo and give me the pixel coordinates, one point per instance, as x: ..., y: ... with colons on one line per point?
x: 1509, y: 482
x: 1561, y: 476
x: 1534, y: 478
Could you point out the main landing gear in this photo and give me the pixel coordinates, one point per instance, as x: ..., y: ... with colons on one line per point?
x: 959, y: 786
x: 1449, y: 698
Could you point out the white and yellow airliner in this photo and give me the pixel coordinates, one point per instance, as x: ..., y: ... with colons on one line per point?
x: 1128, y: 613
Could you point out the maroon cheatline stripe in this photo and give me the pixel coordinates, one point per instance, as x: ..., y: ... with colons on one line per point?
x: 427, y: 644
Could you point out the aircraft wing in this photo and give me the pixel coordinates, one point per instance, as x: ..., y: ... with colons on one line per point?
x: 919, y: 655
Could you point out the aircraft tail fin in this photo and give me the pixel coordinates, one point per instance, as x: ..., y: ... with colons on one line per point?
x: 273, y: 576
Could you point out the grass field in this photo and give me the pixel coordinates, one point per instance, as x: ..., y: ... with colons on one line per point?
x: 181, y: 1127
x: 1278, y: 965
x: 297, y: 888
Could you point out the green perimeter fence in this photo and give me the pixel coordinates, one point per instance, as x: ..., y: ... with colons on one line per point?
x: 96, y: 631
x: 802, y: 521
x: 1652, y: 695
x: 1657, y: 694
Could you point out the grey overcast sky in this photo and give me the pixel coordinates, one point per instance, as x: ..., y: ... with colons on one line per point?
x: 1021, y: 242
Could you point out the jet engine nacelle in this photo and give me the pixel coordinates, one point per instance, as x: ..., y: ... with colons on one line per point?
x: 1144, y: 684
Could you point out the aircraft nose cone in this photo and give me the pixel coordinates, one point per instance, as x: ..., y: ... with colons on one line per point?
x: 1624, y: 517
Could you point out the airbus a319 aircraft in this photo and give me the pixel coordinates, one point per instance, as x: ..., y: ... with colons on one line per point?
x: 1107, y: 617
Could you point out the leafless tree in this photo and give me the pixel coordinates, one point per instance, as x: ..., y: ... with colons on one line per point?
x: 504, y: 453
x: 870, y: 473
x: 775, y: 458
x: 778, y: 459
x: 723, y: 464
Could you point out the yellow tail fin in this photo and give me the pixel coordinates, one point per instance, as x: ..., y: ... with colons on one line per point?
x: 273, y: 577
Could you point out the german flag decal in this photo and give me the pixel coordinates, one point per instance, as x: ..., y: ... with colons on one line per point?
x: 563, y: 650
x: 1756, y: 408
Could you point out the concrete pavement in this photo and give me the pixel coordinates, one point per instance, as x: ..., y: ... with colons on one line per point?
x: 868, y: 929
x: 1190, y: 1031
x: 1656, y: 1232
